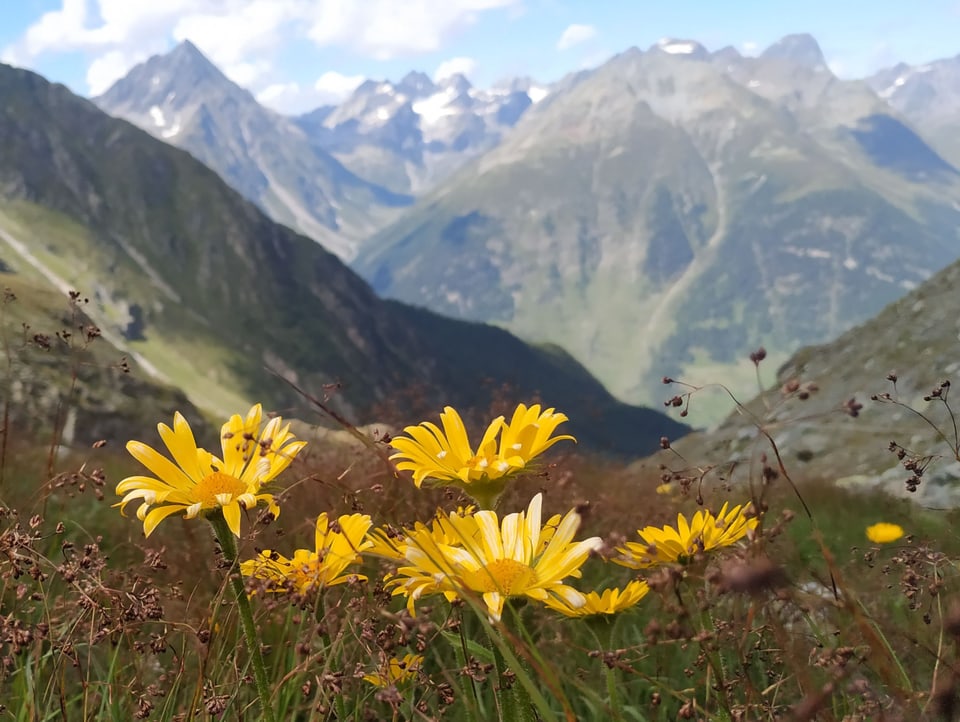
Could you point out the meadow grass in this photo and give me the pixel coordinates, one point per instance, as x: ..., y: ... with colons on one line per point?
x: 801, y: 618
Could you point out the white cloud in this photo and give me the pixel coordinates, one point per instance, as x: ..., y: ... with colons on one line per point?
x: 750, y: 47
x: 575, y: 35
x: 838, y: 67
x: 386, y: 29
x: 240, y: 36
x: 291, y: 98
x: 334, y: 87
x: 231, y: 34
x: 245, y: 74
x: 461, y: 65
x: 107, y: 69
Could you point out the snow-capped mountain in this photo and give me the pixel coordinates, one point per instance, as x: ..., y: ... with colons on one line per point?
x: 679, y: 208
x: 184, y: 99
x: 409, y: 135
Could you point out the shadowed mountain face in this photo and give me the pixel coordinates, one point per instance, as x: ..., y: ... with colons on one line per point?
x: 213, y: 297
x: 674, y: 209
x: 929, y: 96
x: 185, y: 100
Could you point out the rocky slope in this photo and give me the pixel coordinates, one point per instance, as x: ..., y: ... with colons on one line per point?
x: 183, y: 99
x: 915, y: 340
x: 410, y: 135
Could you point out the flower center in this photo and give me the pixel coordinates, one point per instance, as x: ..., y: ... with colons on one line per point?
x: 218, y: 489
x: 507, y: 576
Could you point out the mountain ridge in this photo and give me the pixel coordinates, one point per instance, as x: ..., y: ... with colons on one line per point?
x: 604, y: 197
x: 215, y: 294
x: 185, y: 100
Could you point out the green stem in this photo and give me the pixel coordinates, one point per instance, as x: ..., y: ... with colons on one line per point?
x: 514, y: 703
x: 603, y: 627
x: 228, y: 543
x: 613, y: 700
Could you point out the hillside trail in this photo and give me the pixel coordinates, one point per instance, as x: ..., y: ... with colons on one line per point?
x: 62, y: 285
x: 702, y: 260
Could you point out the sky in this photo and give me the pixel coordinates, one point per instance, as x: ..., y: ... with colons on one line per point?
x: 295, y: 55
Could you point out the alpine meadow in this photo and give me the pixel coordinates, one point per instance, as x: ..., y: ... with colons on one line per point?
x: 603, y: 373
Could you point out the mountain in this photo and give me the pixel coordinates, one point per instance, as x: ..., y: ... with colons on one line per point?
x: 673, y: 209
x: 409, y: 135
x: 929, y: 95
x: 211, y: 295
x: 799, y: 49
x: 182, y: 98
x: 917, y: 339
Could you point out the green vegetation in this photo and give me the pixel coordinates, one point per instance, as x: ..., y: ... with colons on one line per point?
x: 805, y: 617
x: 661, y: 206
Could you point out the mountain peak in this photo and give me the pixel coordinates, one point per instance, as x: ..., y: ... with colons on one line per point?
x: 684, y: 48
x: 186, y: 47
x: 458, y: 82
x: 185, y: 71
x: 416, y: 83
x: 800, y: 48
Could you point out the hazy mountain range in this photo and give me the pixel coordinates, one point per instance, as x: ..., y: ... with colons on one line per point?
x: 204, y: 291
x: 675, y: 209
x: 662, y: 214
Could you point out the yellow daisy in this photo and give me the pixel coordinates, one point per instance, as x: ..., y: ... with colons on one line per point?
x: 337, y: 546
x: 396, y: 671
x: 445, y: 456
x: 496, y: 559
x: 391, y: 543
x: 703, y: 533
x: 198, y: 482
x: 610, y: 601
x: 884, y: 532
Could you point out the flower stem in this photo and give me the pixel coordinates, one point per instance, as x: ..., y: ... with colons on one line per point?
x: 228, y: 543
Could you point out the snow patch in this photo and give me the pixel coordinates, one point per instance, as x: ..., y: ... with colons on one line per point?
x: 172, y: 130
x: 155, y: 80
x: 157, y: 115
x: 850, y: 264
x: 879, y: 275
x: 898, y: 83
x: 383, y: 114
x: 437, y: 106
x: 536, y: 93
x: 674, y: 48
x: 753, y: 84
x: 807, y: 252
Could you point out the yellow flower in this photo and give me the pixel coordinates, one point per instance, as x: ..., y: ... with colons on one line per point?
x: 391, y: 543
x: 610, y: 601
x: 704, y: 532
x: 445, y: 456
x: 496, y: 559
x: 198, y: 482
x: 884, y: 532
x: 337, y: 546
x: 396, y: 671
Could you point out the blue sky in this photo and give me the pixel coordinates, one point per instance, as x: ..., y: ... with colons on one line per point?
x: 296, y: 54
